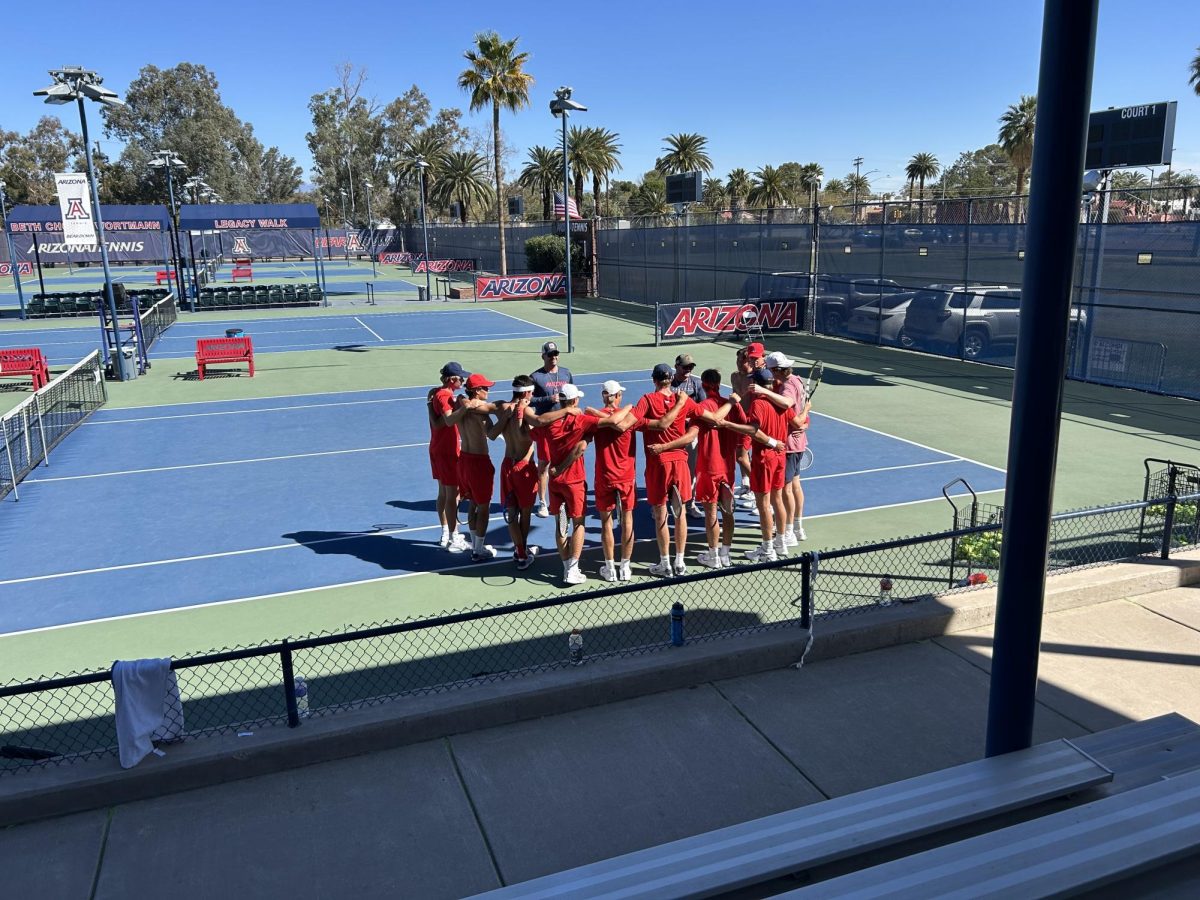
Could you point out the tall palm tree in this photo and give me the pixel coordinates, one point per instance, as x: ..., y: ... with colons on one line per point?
x: 920, y: 167
x: 714, y: 193
x: 770, y: 190
x: 429, y: 146
x: 603, y: 159
x: 496, y: 76
x: 810, y: 176
x: 1187, y: 184
x: 737, y: 188
x: 1016, y: 138
x: 464, y: 177
x: 1194, y: 81
x: 579, y: 150
x: 542, y: 173
x: 686, y: 152
x: 859, y: 186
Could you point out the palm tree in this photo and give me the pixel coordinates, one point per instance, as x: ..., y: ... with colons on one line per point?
x: 464, y: 177
x: 650, y: 199
x: 1194, y: 81
x: 686, y: 152
x: 859, y: 186
x: 1016, y: 137
x: 603, y: 159
x: 1187, y: 184
x: 737, y: 188
x: 920, y: 167
x: 714, y: 193
x: 579, y: 151
x: 429, y: 146
x: 770, y: 190
x: 810, y: 176
x: 542, y: 174
x: 497, y: 77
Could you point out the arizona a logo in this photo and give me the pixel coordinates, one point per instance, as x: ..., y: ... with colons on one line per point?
x: 241, y: 245
x: 353, y: 242
x: 75, y: 209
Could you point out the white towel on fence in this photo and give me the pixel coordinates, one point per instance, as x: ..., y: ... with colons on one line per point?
x: 148, y: 706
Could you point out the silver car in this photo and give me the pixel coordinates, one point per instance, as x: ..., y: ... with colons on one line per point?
x: 967, y: 320
x: 882, y: 321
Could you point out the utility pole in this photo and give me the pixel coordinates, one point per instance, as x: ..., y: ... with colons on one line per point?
x: 858, y: 161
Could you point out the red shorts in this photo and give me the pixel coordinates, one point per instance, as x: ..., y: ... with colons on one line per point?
x: 476, y: 477
x: 661, y: 474
x: 606, y: 495
x: 573, y: 496
x: 708, y: 486
x: 444, y: 467
x: 766, y: 471
x: 518, y: 483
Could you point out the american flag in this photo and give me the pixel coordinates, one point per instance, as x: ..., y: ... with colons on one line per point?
x: 572, y: 209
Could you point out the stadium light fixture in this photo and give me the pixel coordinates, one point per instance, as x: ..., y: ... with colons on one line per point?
x: 561, y: 107
x: 77, y: 83
x: 422, y: 165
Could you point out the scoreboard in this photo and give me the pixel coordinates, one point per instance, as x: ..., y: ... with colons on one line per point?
x: 1131, y: 136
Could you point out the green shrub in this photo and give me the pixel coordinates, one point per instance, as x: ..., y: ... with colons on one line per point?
x: 544, y: 254
x: 1185, y: 513
x: 982, y: 549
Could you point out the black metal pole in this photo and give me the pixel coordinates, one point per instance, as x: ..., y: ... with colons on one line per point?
x: 289, y: 685
x: 1064, y: 92
x: 37, y: 256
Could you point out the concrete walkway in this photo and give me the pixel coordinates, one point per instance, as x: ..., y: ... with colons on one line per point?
x: 458, y: 815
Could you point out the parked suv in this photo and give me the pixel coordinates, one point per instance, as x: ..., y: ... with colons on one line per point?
x: 837, y: 295
x: 966, y: 320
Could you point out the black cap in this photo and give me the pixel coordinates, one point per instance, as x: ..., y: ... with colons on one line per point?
x: 662, y: 372
x: 763, y: 377
x: 454, y: 369
x: 549, y: 348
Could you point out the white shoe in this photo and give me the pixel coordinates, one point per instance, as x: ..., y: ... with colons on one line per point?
x: 680, y: 568
x: 800, y: 535
x: 779, y: 545
x: 726, y: 560
x: 743, y: 490
x: 444, y: 540
x: 574, y: 576
x: 608, y: 573
x: 543, y: 511
x: 695, y: 511
x: 746, y: 501
x: 661, y: 570
x: 623, y: 573
x: 458, y: 543
x: 789, y: 539
x: 484, y: 553
x: 762, y: 554
x: 710, y: 559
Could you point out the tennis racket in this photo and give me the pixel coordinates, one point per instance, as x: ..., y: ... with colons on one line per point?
x: 510, y: 509
x: 725, y: 493
x: 564, y: 522
x: 675, y: 501
x: 814, y: 379
x: 806, y: 460
x: 618, y: 512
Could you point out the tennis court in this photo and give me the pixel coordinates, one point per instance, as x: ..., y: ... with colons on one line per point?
x: 65, y: 345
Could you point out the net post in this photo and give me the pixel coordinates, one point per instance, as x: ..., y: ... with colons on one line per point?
x: 289, y: 684
x: 37, y: 411
x: 806, y: 594
x: 12, y: 469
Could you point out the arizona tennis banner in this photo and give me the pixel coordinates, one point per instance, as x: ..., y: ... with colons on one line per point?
x: 79, y: 228
x: 23, y: 268
x: 716, y: 319
x: 520, y: 287
x: 441, y: 266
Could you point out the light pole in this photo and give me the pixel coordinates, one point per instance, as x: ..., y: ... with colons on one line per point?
x: 562, y: 106
x: 370, y: 226
x: 12, y: 253
x: 814, y: 262
x: 422, y: 165
x: 345, y: 228
x: 168, y: 162
x: 76, y: 83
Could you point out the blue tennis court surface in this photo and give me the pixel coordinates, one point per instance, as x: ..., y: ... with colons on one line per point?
x: 149, y: 509
x: 64, y: 346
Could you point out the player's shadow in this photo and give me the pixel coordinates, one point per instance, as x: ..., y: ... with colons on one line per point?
x: 390, y: 552
x: 353, y: 348
x: 414, y: 505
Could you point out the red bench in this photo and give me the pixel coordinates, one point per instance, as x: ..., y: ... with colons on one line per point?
x: 242, y: 272
x: 24, y: 362
x: 164, y: 275
x: 223, y: 350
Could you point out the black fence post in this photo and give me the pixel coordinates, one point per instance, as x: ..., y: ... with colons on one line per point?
x: 1168, y: 527
x: 289, y: 684
x: 806, y: 594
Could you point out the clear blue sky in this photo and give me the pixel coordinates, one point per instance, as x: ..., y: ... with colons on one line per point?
x: 766, y: 82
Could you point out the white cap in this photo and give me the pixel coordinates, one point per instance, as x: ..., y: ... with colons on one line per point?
x: 612, y: 387
x: 777, y: 360
x: 570, y: 392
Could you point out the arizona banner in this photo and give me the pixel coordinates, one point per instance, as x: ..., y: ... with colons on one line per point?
x: 717, y: 319
x: 79, y: 228
x: 23, y: 268
x: 520, y: 287
x: 444, y: 265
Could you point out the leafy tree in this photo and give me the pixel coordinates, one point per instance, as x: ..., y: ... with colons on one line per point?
x: 686, y: 152
x: 463, y: 177
x: 714, y: 193
x: 1016, y: 137
x: 496, y: 76
x: 28, y: 162
x: 1187, y: 183
x: 280, y: 178
x: 858, y: 186
x: 545, y: 253
x: 983, y: 172
x: 738, y: 186
x: 541, y: 173
x: 348, y: 138
x: 920, y: 167
x: 650, y: 199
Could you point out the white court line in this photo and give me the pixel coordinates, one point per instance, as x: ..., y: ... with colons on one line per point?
x: 226, y: 462
x: 913, y: 443
x: 399, y: 342
x: 936, y: 462
x: 526, y: 321
x: 850, y: 512
x: 369, y: 328
x: 183, y: 337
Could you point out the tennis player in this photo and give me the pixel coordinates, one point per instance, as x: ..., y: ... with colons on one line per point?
x: 565, y: 438
x: 518, y: 472
x: 443, y: 454
x: 476, y: 474
x: 547, y: 382
x: 739, y: 380
x: 790, y: 386
x: 615, y: 478
x: 716, y: 452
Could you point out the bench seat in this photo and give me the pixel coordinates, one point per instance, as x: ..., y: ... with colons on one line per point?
x: 223, y: 350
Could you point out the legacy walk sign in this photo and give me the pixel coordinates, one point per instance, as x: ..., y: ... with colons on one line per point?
x: 79, y: 226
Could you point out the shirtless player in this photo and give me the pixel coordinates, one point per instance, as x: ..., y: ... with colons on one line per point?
x: 518, y: 472
x: 476, y: 474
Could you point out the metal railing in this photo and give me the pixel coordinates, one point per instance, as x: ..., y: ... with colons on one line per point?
x: 57, y: 720
x: 37, y: 425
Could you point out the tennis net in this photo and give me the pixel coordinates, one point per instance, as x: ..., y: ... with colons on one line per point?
x: 157, y: 319
x: 35, y: 427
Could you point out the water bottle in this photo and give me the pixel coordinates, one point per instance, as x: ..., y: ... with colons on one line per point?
x: 301, y: 697
x: 575, y: 645
x: 885, y: 590
x: 677, y: 624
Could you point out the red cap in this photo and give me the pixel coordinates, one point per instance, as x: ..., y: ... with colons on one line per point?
x: 755, y: 350
x: 477, y: 381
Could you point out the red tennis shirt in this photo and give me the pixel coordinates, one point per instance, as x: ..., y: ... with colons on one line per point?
x: 616, y: 456
x: 655, y: 406
x: 443, y: 439
x: 561, y: 436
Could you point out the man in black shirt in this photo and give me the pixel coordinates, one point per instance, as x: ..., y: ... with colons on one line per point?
x: 547, y: 382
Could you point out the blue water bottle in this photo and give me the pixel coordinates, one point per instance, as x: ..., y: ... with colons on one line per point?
x: 677, y: 624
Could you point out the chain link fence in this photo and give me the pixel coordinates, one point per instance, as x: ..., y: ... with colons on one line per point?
x: 58, y: 720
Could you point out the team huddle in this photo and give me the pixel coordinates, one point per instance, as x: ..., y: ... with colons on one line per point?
x: 695, y: 441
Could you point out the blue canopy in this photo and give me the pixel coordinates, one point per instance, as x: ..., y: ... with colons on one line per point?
x: 248, y: 216
x: 36, y: 219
